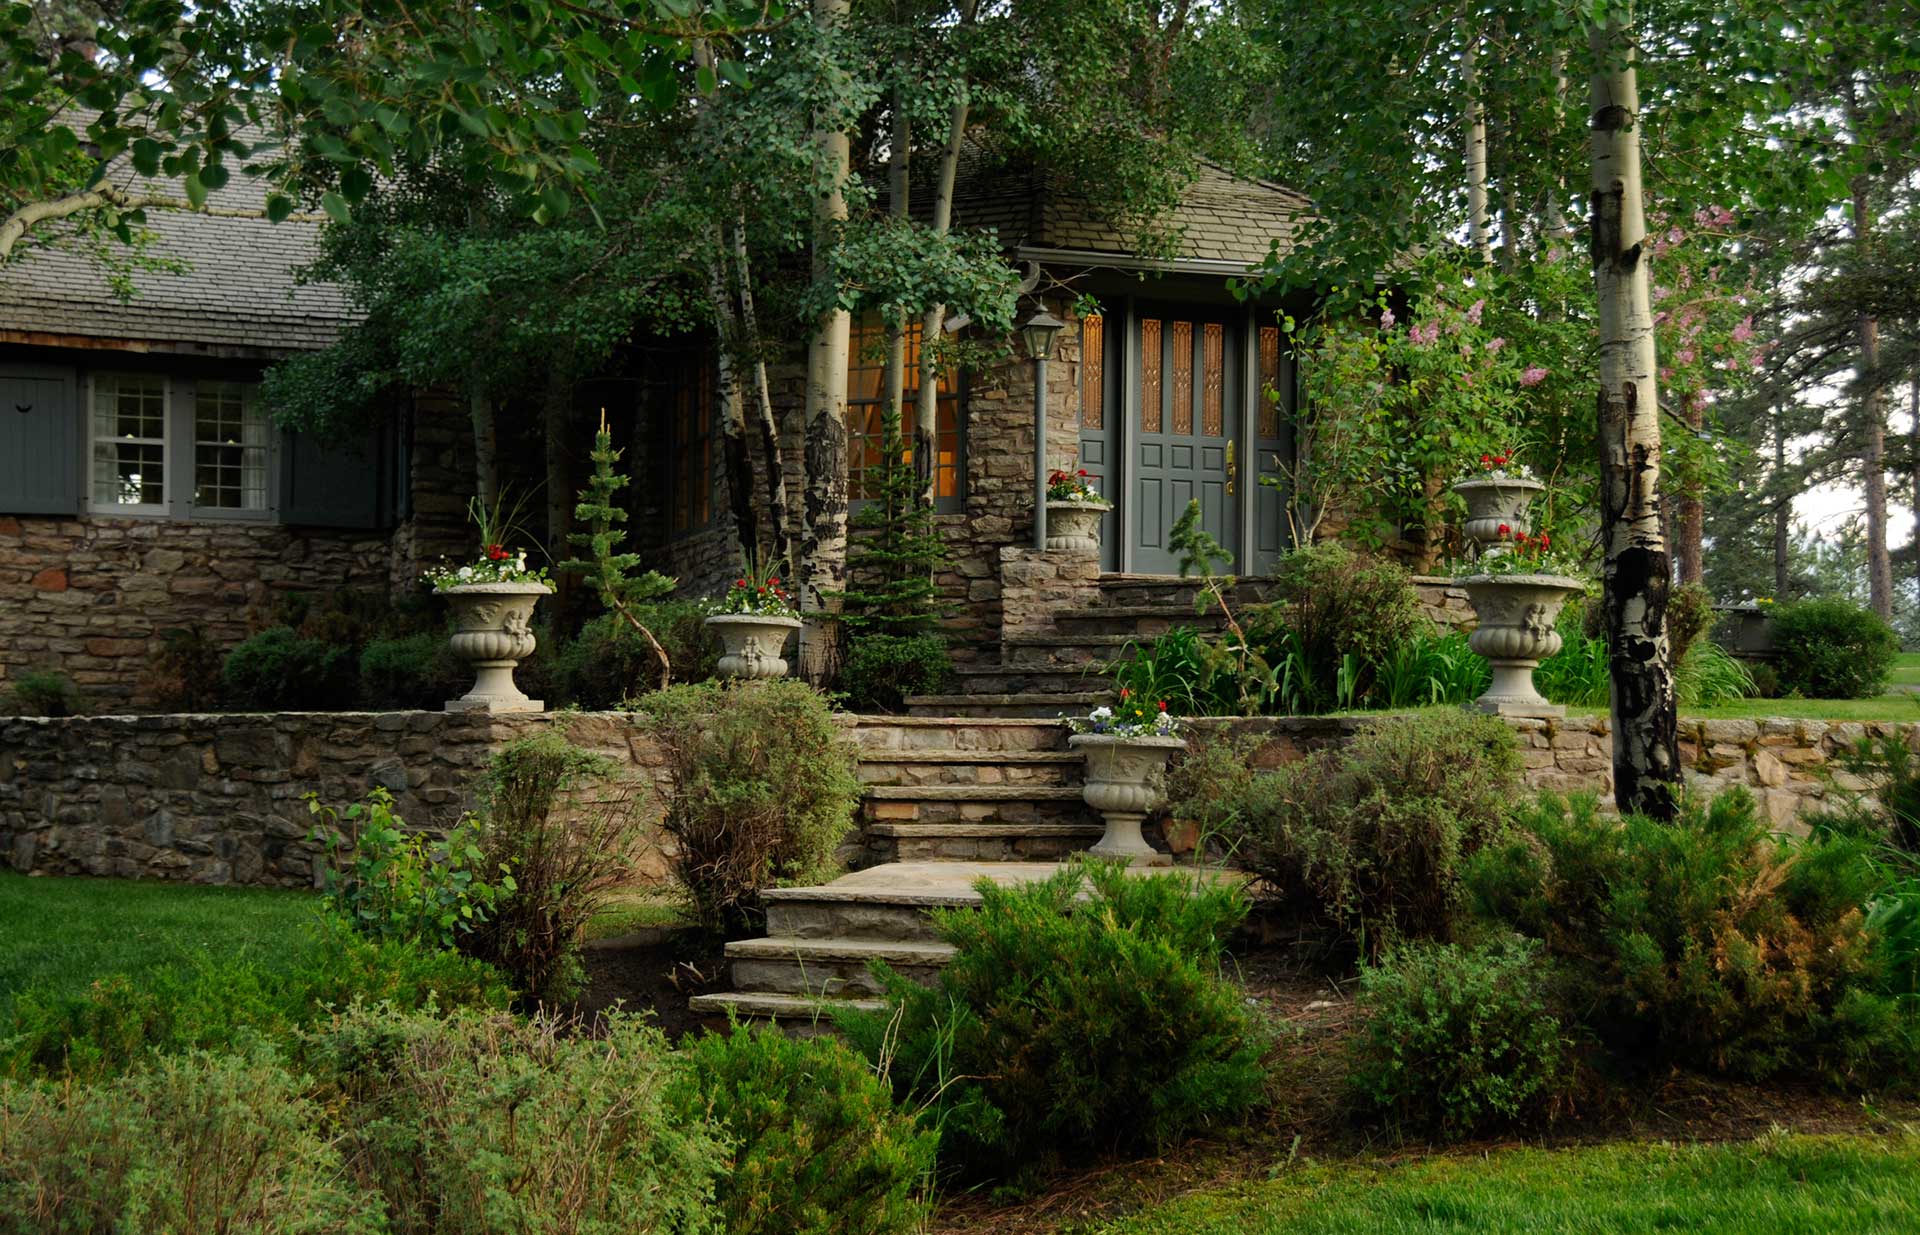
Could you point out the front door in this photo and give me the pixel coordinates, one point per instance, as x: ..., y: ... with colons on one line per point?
x: 1188, y: 375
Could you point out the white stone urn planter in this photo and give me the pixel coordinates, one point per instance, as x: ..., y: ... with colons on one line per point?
x: 753, y: 643
x: 1516, y: 632
x: 1124, y: 782
x: 1495, y: 500
x: 1075, y: 526
x: 493, y: 632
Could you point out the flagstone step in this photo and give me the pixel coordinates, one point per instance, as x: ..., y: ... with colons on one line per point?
x: 801, y: 1016
x: 1082, y: 677
x: 1050, y: 768
x: 1029, y: 705
x: 979, y: 842
x: 1119, y: 590
x: 1142, y: 622
x: 975, y: 803
x: 878, y: 735
x: 829, y: 968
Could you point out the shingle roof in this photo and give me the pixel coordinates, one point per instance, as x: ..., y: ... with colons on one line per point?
x: 240, y: 289
x: 1221, y: 218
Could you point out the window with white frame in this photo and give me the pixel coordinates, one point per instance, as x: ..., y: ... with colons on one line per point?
x: 230, y: 435
x: 182, y: 446
x: 129, y: 440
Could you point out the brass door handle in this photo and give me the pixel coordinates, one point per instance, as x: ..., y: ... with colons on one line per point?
x: 1233, y: 469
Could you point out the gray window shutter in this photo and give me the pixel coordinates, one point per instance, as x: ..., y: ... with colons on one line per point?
x: 333, y: 484
x: 40, y: 436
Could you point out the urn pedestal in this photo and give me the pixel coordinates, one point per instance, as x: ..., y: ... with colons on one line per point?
x: 1494, y: 501
x: 1516, y: 632
x: 1124, y: 783
x: 1075, y: 526
x: 753, y: 643
x: 493, y: 632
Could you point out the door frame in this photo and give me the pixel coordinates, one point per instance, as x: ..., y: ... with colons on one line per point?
x: 1121, y: 353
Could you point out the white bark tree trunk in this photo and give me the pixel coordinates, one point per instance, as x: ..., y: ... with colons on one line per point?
x: 1476, y: 136
x: 771, y: 451
x: 1646, y: 764
x: 926, y: 421
x: 1873, y: 426
x: 823, y: 546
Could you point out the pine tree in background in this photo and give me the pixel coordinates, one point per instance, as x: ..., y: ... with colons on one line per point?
x: 611, y: 573
x: 896, y: 552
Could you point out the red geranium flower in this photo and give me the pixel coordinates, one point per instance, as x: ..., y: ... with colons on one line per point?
x: 1505, y: 531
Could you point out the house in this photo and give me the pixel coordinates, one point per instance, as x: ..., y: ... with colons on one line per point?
x: 144, y: 487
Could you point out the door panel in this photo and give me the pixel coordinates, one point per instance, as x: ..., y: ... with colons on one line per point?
x: 1182, y: 436
x: 1100, y: 395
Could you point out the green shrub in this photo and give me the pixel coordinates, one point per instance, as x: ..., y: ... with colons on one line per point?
x: 1832, y: 649
x: 280, y: 670
x: 1183, y: 669
x: 184, y: 676
x: 609, y: 663
x: 194, y: 1144
x: 1578, y: 675
x: 882, y: 671
x: 818, y: 1146
x: 1081, y: 1013
x: 1335, y: 603
x: 1705, y: 674
x: 1708, y: 676
x: 762, y: 790
x: 404, y: 885
x: 411, y: 671
x: 562, y: 866
x: 1368, y: 838
x: 1429, y: 669
x: 471, y: 1124
x: 1709, y: 941
x: 1689, y: 616
x: 1457, y: 1040
x: 44, y: 692
x: 217, y: 1004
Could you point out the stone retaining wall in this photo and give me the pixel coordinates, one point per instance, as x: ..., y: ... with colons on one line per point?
x: 221, y: 798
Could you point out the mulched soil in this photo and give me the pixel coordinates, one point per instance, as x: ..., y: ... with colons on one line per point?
x: 660, y: 969
x: 657, y: 969
x: 1308, y: 1119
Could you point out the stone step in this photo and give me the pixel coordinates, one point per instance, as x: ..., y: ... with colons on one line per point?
x: 1049, y: 705
x: 829, y: 968
x: 986, y: 733
x: 971, y: 767
x: 994, y: 841
x: 1143, y: 622
x: 798, y: 1015
x: 1058, y: 650
x: 888, y: 903
x: 975, y: 804
x: 1167, y: 589
x: 1033, y: 679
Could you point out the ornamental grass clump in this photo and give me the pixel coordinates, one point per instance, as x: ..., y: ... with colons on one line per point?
x: 761, y: 791
x: 1080, y: 1014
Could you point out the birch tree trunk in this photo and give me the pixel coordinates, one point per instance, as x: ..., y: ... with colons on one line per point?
x: 898, y: 187
x: 1913, y: 449
x: 823, y: 545
x: 1476, y: 126
x: 733, y: 416
x: 926, y: 420
x: 1646, y: 764
x: 557, y: 420
x: 778, y: 507
x: 486, y: 442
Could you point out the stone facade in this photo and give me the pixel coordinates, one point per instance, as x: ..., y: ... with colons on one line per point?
x: 221, y: 799
x: 93, y: 596
x: 1444, y: 602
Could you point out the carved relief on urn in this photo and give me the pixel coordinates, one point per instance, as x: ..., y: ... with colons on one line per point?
x: 493, y: 632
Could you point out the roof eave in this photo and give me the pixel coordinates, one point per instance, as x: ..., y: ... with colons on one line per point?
x: 1131, y: 261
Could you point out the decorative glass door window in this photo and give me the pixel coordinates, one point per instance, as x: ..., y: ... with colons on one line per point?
x: 129, y: 440
x: 866, y: 411
x: 229, y: 448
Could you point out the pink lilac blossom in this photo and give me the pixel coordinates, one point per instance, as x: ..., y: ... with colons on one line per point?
x: 1386, y: 319
x: 1425, y: 333
x: 1714, y: 216
x: 1743, y: 331
x: 1495, y: 344
x: 1473, y: 313
x: 1686, y: 355
x: 1660, y: 293
x: 1532, y: 376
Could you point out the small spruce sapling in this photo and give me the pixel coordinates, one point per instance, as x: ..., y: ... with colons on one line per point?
x: 892, y: 563
x: 611, y: 573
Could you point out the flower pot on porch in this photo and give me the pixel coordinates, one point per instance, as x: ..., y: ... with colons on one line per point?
x: 1075, y: 526
x: 493, y: 632
x: 753, y: 643
x: 1516, y: 632
x: 1124, y: 781
x: 1494, y: 500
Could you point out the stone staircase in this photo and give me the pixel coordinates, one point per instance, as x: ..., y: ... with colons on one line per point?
x: 949, y: 800
x: 1063, y: 671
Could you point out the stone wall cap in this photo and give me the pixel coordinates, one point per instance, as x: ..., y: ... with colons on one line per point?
x: 753, y: 619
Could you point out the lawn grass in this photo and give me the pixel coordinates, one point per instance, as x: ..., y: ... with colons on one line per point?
x: 1776, y: 1185
x: 1906, y: 670
x: 61, y: 934
x: 630, y: 909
